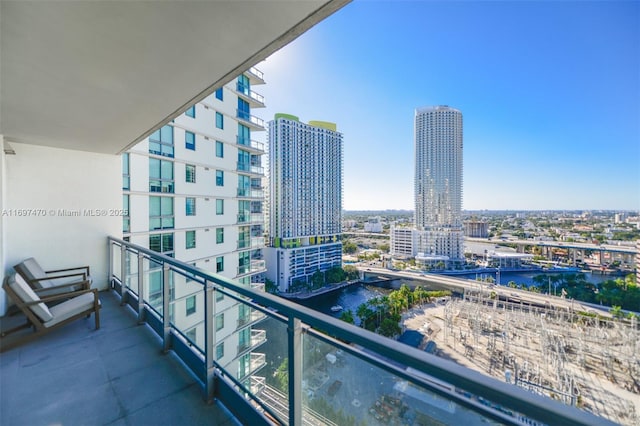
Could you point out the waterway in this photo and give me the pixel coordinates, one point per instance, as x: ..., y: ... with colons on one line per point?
x: 351, y: 297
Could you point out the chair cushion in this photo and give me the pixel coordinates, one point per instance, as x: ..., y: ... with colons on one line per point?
x: 27, y: 295
x: 69, y: 308
x: 31, y: 270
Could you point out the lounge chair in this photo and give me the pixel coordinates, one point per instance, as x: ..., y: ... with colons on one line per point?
x: 56, y: 281
x: 45, y: 318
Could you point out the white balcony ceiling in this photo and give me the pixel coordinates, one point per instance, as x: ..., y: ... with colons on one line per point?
x: 100, y: 76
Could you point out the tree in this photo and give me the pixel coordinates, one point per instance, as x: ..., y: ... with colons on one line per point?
x: 317, y: 279
x: 351, y: 272
x: 384, y: 247
x: 348, y: 247
x: 270, y: 286
x: 347, y: 316
x: 282, y: 375
x: 389, y: 328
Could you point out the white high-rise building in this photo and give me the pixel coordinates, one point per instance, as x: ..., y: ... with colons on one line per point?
x: 438, y: 182
x: 305, y: 200
x: 193, y: 191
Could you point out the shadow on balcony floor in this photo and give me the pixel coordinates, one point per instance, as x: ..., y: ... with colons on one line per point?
x: 113, y: 376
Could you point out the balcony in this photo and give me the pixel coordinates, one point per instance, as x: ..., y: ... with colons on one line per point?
x: 251, y: 121
x: 250, y: 168
x: 255, y: 100
x: 255, y: 146
x: 258, y: 337
x: 252, y: 317
x: 255, y: 75
x: 117, y: 374
x: 254, y: 267
x: 250, y: 193
x: 256, y: 362
x: 258, y: 286
x: 246, y: 218
x: 251, y: 243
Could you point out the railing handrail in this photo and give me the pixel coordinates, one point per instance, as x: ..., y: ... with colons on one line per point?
x: 508, y: 395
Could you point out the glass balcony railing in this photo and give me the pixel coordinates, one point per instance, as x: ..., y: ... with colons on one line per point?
x: 253, y: 316
x: 256, y: 76
x: 254, y: 266
x: 253, y: 243
x: 256, y: 99
x: 317, y: 369
x: 249, y: 143
x: 253, y: 121
x: 258, y: 337
x: 250, y: 168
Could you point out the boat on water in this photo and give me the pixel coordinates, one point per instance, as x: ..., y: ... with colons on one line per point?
x: 336, y: 308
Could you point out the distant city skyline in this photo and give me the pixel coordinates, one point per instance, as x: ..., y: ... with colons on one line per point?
x: 550, y: 92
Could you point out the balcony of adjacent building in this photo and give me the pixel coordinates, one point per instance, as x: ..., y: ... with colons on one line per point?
x: 255, y: 76
x: 254, y: 99
x: 250, y: 168
x: 251, y: 243
x: 248, y: 218
x: 247, y: 143
x: 249, y: 120
x: 255, y: 266
x: 254, y: 363
x: 249, y: 317
x: 255, y: 339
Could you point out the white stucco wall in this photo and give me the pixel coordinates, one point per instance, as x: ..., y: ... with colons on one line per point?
x: 43, y: 184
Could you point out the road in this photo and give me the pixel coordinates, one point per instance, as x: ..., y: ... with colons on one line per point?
x: 557, y: 244
x: 458, y: 284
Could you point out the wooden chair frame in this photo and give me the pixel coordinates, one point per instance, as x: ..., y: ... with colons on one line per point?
x: 34, y: 321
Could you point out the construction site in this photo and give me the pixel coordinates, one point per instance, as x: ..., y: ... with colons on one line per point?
x: 584, y: 360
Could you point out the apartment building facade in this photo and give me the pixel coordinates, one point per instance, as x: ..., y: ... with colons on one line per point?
x: 193, y: 191
x: 305, y: 200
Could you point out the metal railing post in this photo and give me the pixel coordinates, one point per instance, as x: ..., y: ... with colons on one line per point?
x: 110, y: 244
x: 124, y: 293
x: 210, y: 339
x: 141, y: 287
x: 166, y: 323
x: 294, y: 346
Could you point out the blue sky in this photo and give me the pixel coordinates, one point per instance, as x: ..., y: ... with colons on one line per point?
x: 549, y: 91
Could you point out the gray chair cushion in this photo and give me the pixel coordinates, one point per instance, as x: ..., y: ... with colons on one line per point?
x: 70, y: 308
x: 31, y: 270
x: 27, y: 295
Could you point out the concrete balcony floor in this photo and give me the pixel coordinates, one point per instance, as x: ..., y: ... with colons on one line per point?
x: 113, y: 376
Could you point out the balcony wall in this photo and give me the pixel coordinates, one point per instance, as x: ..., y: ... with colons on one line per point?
x: 59, y: 205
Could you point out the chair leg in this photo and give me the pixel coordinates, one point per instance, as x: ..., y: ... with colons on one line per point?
x: 20, y: 327
x: 97, y: 314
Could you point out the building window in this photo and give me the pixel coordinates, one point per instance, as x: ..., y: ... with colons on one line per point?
x: 190, y: 206
x: 219, y: 149
x: 243, y: 85
x: 220, y: 264
x: 161, y: 141
x: 189, y: 140
x: 219, y: 235
x: 191, y: 305
x: 243, y: 109
x: 219, y: 120
x: 191, y: 334
x: 126, y: 179
x: 220, y: 351
x: 160, y: 175
x: 219, y: 178
x: 161, y: 243
x: 219, y: 321
x: 190, y: 173
x: 126, y: 217
x: 244, y: 135
x: 190, y: 238
x: 219, y: 207
x: 219, y: 296
x: 219, y: 94
x: 191, y: 112
x: 161, y: 213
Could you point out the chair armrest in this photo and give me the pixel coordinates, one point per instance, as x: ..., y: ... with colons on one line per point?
x: 69, y: 269
x: 69, y: 295
x: 56, y: 277
x: 84, y: 284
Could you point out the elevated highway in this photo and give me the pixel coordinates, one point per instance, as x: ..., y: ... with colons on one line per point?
x: 560, y: 244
